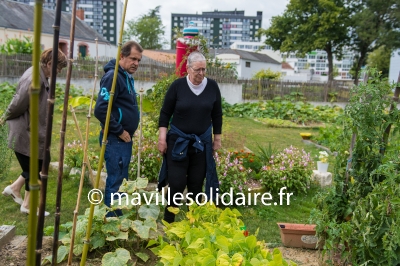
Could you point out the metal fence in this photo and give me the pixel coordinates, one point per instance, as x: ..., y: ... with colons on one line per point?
x: 151, y: 70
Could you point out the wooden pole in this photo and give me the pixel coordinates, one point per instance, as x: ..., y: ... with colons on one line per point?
x: 49, y: 128
x: 62, y: 136
x: 85, y: 161
x: 104, y: 140
x: 34, y: 132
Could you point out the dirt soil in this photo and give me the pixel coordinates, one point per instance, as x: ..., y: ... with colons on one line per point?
x: 14, y: 254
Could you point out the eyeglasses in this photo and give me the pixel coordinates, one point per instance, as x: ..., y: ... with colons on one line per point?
x: 198, y: 70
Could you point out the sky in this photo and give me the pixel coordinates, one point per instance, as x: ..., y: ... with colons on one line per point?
x: 269, y: 8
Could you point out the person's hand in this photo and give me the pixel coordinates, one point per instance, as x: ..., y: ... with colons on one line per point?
x: 125, y: 136
x: 162, y: 146
x: 217, y: 144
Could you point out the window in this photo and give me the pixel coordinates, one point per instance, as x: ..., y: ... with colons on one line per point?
x: 111, y: 31
x: 111, y: 17
x: 111, y: 3
x: 104, y: 17
x: 247, y: 64
x: 104, y: 10
x: 111, y: 39
x: 112, y: 10
x: 111, y: 25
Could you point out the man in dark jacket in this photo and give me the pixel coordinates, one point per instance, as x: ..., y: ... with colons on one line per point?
x: 124, y: 118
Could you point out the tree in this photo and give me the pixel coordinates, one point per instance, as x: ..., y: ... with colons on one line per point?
x: 380, y: 59
x: 374, y: 23
x: 148, y: 30
x: 307, y: 25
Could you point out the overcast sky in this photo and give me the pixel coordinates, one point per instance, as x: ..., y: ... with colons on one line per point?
x: 269, y: 8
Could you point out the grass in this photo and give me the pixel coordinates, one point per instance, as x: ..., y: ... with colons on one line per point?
x: 265, y: 218
x: 245, y: 132
x: 237, y: 132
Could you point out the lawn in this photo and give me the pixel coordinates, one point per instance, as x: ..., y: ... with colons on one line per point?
x: 238, y: 132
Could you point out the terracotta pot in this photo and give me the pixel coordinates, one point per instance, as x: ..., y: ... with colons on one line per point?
x: 298, y: 235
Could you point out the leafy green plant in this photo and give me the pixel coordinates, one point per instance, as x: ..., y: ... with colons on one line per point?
x: 150, y: 158
x: 135, y: 228
x: 267, y: 74
x: 74, y: 155
x: 272, y: 122
x: 265, y: 153
x: 7, y: 91
x: 231, y: 172
x: 289, y: 168
x: 357, y: 218
x: 17, y: 46
x: 157, y: 94
x: 298, y: 112
x: 5, y: 153
x: 212, y: 236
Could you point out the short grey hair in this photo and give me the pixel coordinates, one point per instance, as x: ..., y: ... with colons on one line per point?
x: 195, y: 57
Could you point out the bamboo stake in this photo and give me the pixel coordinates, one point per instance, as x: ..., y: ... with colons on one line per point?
x: 49, y: 127
x: 78, y: 130
x: 104, y: 141
x: 34, y: 132
x: 85, y: 160
x: 62, y: 137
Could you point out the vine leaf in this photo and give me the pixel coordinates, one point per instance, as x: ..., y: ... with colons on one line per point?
x: 118, y: 258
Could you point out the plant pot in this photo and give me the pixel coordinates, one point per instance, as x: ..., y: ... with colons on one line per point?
x: 305, y: 136
x: 298, y: 235
x: 322, y: 167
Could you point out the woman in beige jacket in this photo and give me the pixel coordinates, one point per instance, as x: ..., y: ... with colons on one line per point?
x: 17, y: 117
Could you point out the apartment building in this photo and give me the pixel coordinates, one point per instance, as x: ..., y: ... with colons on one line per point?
x: 220, y: 28
x: 315, y: 63
x: 102, y: 15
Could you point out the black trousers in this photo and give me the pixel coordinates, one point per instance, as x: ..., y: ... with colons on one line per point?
x: 189, y: 173
x: 24, y: 163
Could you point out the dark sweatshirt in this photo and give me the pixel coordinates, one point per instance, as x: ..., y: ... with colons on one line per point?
x: 125, y: 112
x: 191, y: 113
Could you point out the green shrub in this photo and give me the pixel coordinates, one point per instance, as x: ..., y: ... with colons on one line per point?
x: 231, y: 172
x: 271, y: 122
x: 291, y: 168
x: 359, y: 217
x: 17, y: 46
x: 5, y: 153
x: 298, y: 112
x: 150, y: 157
